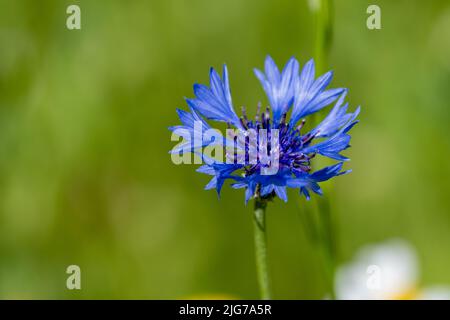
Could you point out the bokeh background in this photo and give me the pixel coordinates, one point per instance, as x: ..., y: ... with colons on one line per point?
x: 85, y: 175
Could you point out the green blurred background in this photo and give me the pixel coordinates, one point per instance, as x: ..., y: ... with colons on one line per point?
x: 85, y: 177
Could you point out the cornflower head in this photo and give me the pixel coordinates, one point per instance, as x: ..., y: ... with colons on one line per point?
x: 273, y: 151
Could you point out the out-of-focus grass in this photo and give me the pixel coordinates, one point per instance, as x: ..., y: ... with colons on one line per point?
x: 85, y: 177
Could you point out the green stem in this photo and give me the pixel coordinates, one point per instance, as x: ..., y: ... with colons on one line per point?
x: 328, y: 243
x: 318, y: 224
x: 322, y: 10
x: 261, y: 249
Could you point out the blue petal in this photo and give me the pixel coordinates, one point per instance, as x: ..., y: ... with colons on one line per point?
x: 314, y: 186
x: 305, y: 193
x: 298, y: 182
x: 336, y: 119
x: 279, y: 88
x: 281, y: 192
x: 226, y: 83
x: 266, y: 190
x: 336, y: 143
x: 189, y: 118
x: 271, y: 69
x: 211, y: 184
x: 189, y: 130
x: 215, y: 102
x: 221, y: 172
x: 311, y: 96
x: 307, y: 76
x: 331, y: 147
x: 239, y: 185
x: 207, y: 169
x: 307, y: 181
x: 327, y: 173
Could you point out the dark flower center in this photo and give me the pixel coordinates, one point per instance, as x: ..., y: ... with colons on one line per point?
x: 291, y: 142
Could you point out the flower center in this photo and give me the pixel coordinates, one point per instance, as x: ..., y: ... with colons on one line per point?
x: 291, y: 141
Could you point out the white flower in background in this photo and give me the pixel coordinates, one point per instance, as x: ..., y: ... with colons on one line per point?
x: 385, y: 271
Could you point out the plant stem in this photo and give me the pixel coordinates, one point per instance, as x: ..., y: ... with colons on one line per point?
x: 328, y: 243
x: 261, y: 248
x: 318, y: 225
x: 322, y: 10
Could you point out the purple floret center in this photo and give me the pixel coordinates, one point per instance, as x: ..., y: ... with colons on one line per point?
x: 291, y: 142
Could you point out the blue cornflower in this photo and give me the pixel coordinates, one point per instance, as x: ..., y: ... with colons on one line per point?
x: 294, y: 92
